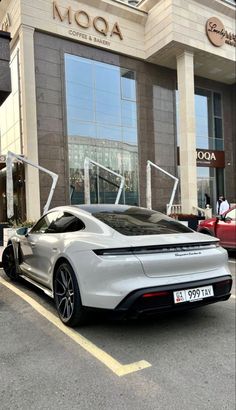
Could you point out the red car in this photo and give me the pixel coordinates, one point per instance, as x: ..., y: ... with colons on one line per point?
x: 223, y: 227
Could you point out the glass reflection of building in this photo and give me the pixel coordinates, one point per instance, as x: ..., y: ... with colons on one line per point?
x: 101, y: 125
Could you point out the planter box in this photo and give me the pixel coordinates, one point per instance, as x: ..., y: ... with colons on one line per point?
x: 191, y: 222
x: 7, y: 233
x: 2, y: 227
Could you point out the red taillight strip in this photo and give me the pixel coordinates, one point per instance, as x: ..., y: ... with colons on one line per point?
x: 154, y: 294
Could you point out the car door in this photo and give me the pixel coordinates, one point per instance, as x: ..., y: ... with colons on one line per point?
x: 45, y: 242
x: 226, y: 229
x: 38, y: 248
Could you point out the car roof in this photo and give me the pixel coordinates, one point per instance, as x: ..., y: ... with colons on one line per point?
x: 96, y: 208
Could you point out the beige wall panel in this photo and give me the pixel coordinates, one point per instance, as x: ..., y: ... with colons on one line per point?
x: 14, y: 17
x: 184, y: 22
x: 39, y: 14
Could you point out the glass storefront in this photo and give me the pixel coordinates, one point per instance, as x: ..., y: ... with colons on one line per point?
x: 102, y: 125
x: 209, y: 136
x: 18, y: 174
x: 209, y: 123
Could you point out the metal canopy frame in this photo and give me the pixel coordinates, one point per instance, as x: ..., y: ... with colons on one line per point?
x: 87, y: 163
x: 149, y: 185
x: 9, y: 163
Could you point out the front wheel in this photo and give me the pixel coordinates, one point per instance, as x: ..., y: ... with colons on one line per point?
x: 67, y: 296
x: 9, y: 263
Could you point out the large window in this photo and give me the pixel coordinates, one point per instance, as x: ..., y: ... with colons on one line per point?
x: 209, y: 124
x: 101, y: 125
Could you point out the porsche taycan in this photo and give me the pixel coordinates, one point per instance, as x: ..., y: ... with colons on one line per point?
x: 122, y: 259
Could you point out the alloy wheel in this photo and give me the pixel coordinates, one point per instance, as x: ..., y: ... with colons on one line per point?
x: 64, y: 292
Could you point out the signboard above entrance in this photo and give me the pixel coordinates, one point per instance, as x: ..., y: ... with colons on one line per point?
x: 208, y: 158
x: 83, y: 20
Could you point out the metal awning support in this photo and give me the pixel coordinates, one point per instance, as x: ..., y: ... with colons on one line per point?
x: 87, y: 163
x: 149, y: 187
x: 9, y: 163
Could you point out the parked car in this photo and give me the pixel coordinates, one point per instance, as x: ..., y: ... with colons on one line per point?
x: 222, y: 227
x: 124, y: 259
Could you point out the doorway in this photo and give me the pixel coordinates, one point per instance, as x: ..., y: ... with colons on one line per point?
x: 206, y: 186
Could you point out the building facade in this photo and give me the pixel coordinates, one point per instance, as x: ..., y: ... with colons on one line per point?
x: 121, y: 85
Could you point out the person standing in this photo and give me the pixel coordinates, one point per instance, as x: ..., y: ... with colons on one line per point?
x: 222, y: 205
x: 207, y: 201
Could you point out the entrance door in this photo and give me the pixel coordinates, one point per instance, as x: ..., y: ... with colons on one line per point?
x: 206, y: 185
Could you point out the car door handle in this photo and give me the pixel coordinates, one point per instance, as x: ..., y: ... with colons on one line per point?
x: 33, y: 244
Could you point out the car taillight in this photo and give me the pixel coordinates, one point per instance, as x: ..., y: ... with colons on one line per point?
x: 155, y: 294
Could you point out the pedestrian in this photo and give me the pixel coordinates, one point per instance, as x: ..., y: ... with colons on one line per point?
x: 222, y: 205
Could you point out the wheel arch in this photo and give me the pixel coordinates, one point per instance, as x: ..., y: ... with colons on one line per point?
x: 60, y: 260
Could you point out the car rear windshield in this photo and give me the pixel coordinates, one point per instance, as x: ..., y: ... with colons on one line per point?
x: 136, y: 221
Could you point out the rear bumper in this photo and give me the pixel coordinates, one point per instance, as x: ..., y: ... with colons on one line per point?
x: 135, y: 304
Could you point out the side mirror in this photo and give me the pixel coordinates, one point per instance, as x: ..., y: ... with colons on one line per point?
x: 227, y: 219
x: 22, y: 231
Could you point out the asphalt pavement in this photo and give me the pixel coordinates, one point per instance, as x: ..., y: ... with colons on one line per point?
x: 191, y: 357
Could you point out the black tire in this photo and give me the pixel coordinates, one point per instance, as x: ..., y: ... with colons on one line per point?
x: 9, y: 263
x: 67, y: 296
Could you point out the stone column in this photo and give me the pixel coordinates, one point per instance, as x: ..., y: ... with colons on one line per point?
x: 187, y: 138
x: 29, y: 120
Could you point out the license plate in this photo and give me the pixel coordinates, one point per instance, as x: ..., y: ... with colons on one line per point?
x: 191, y: 295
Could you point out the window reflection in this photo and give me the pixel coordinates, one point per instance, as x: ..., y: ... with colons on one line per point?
x: 208, y: 115
x: 208, y: 120
x: 101, y: 124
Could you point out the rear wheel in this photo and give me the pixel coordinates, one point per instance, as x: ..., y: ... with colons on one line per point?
x: 67, y: 296
x: 9, y: 263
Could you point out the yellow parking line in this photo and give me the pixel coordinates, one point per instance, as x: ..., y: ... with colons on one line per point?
x: 115, y: 366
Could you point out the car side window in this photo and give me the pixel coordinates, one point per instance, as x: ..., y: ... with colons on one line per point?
x: 65, y: 222
x: 44, y: 223
x: 232, y: 214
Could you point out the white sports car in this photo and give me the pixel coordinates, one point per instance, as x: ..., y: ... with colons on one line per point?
x: 124, y: 259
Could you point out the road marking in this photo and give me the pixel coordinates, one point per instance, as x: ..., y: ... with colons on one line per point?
x: 233, y: 296
x: 115, y: 366
x: 231, y: 261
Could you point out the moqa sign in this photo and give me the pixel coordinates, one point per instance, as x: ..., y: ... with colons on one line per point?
x: 209, y: 158
x: 83, y: 20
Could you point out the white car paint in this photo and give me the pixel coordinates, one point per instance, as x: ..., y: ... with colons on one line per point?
x: 105, y: 280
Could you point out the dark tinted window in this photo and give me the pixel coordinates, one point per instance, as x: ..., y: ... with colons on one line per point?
x: 58, y: 222
x: 136, y: 221
x: 218, y: 128
x: 44, y: 223
x: 65, y: 223
x: 217, y: 105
